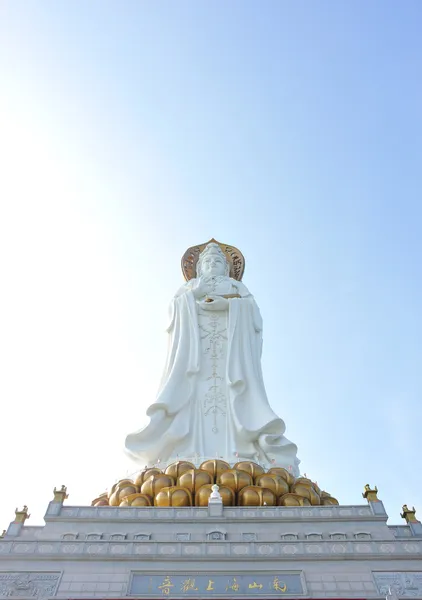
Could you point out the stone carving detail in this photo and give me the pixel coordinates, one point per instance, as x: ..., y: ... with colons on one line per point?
x: 215, y: 398
x: 314, y: 536
x: 240, y: 549
x: 290, y: 549
x: 70, y: 548
x: 363, y: 536
x: 249, y: 537
x: 387, y: 548
x: 152, y: 514
x: 314, y: 549
x: 22, y: 548
x: 67, y: 537
x: 411, y: 547
x: 363, y: 548
x: 290, y: 537
x: 96, y: 549
x: 118, y: 549
x: 338, y: 536
x: 191, y: 550
x: 217, y: 549
x: 406, y: 584
x: 167, y: 550
x: 216, y: 535
x: 143, y: 537
x: 117, y: 537
x: 265, y: 549
x: 182, y: 537
x: 141, y: 549
x: 94, y: 536
x: 401, y: 531
x: 338, y: 549
x: 27, y: 584
x: 45, y: 548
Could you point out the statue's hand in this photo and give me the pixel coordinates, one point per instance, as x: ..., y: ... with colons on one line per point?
x: 215, y: 303
x: 200, y: 290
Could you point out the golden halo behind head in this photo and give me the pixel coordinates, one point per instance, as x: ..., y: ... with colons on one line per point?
x: 234, y: 257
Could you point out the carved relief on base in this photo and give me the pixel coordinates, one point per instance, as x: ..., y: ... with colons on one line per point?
x: 400, y: 584
x: 27, y: 584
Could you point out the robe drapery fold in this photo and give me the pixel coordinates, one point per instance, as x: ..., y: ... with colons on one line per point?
x: 180, y: 427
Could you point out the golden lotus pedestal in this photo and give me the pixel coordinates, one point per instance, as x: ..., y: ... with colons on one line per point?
x: 244, y: 484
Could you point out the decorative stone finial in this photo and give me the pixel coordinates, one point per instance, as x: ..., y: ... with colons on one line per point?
x: 21, y: 515
x: 215, y: 494
x: 369, y: 494
x: 409, y: 515
x: 60, y: 495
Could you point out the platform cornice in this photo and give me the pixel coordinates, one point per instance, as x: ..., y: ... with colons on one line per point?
x: 246, y: 514
x: 104, y: 550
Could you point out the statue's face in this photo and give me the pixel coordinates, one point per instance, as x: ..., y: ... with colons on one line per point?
x: 213, y: 265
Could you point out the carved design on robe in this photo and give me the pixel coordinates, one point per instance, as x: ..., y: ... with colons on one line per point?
x: 215, y: 399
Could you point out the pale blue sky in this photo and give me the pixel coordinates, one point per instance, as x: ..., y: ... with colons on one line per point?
x: 132, y: 130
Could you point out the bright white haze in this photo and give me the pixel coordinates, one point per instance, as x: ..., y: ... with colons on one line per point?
x: 130, y: 131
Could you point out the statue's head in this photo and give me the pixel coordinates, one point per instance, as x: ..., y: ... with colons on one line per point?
x: 212, y: 262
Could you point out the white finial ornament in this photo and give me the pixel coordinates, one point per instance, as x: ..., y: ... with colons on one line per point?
x: 215, y: 494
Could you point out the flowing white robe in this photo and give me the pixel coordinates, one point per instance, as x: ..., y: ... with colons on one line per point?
x: 212, y: 400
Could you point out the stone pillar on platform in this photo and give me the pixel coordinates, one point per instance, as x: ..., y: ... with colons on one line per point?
x: 410, y: 516
x: 375, y: 504
x: 55, y: 506
x: 15, y: 526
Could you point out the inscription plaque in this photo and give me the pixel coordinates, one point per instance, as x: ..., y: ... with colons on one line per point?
x: 216, y: 585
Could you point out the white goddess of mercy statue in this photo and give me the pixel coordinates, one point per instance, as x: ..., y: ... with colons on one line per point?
x: 212, y: 401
